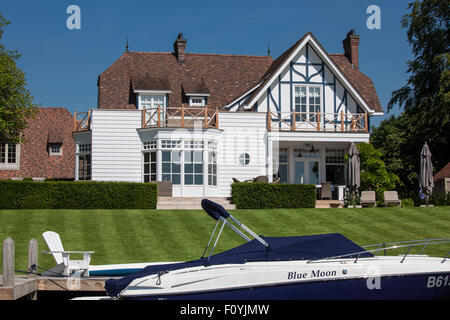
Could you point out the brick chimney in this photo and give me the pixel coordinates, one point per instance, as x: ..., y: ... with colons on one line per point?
x: 351, y: 48
x: 179, y: 47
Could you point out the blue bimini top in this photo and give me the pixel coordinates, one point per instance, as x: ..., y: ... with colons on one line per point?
x: 281, y: 249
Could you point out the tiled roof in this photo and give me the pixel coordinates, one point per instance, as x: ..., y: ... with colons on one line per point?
x: 50, y: 125
x: 226, y: 76
x: 146, y: 82
x: 359, y: 80
x: 190, y: 87
x: 443, y: 173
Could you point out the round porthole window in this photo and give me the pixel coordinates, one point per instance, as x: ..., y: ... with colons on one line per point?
x: 244, y: 159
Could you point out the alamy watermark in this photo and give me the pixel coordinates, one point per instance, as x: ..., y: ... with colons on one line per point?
x: 374, y: 20
x: 73, y: 22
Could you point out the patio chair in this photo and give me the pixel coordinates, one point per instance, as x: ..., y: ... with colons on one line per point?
x: 325, y: 192
x: 261, y: 179
x: 62, y: 257
x: 236, y: 180
x: 368, y: 198
x: 391, y: 197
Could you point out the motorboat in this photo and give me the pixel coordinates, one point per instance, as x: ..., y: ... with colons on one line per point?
x: 325, y: 266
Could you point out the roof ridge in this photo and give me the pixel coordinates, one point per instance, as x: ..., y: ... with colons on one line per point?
x: 204, y: 54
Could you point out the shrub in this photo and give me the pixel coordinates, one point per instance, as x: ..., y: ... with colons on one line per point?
x: 408, y: 202
x: 77, y: 195
x: 258, y: 195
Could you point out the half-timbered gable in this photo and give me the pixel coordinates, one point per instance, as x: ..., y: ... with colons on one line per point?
x: 307, y: 88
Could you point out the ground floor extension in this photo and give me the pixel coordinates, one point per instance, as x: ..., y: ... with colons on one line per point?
x: 199, y: 161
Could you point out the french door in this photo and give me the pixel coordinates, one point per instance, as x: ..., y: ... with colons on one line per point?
x: 306, y: 171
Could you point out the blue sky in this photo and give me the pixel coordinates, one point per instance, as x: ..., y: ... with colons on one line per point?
x: 62, y: 65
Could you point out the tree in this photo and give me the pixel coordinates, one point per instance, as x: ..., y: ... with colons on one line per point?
x: 373, y: 173
x: 424, y: 99
x: 16, y: 102
x: 426, y: 96
x: 393, y: 138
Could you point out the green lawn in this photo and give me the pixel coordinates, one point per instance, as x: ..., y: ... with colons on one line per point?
x: 120, y: 236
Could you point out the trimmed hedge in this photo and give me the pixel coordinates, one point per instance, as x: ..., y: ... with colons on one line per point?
x: 258, y: 195
x: 77, y: 195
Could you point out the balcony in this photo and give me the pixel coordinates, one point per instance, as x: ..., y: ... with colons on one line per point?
x: 183, y: 117
x: 317, y: 121
x: 82, y: 121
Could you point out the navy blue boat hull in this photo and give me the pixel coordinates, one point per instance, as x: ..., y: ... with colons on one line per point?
x: 414, y: 287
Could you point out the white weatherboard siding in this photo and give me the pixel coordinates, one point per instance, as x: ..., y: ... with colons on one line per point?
x: 116, y: 146
x: 244, y: 132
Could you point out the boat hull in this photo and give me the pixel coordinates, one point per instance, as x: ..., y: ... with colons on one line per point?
x: 410, y: 287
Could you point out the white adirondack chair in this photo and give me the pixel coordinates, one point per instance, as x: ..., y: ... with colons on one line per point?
x: 62, y: 256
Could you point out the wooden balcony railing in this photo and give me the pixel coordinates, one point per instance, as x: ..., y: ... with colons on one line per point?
x: 82, y: 121
x: 180, y: 117
x: 317, y: 121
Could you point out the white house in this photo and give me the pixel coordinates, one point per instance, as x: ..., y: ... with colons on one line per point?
x: 200, y: 120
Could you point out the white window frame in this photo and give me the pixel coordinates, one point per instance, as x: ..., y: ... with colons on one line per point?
x: 153, y: 102
x: 200, y: 103
x: 51, y: 152
x: 84, y: 149
x: 309, y: 115
x: 244, y: 159
x: 12, y: 165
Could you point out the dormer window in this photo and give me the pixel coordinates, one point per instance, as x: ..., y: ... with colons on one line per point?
x: 149, y: 101
x: 195, y: 101
x: 55, y: 149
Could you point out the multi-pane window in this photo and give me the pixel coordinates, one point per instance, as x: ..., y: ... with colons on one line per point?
x: 307, y: 103
x: 84, y: 162
x: 149, y: 166
x: 8, y: 153
x: 283, y: 165
x: 55, y: 149
x: 304, y: 153
x: 193, y: 144
x: 301, y: 104
x: 196, y: 101
x: 193, y: 167
x: 244, y: 159
x: 212, y: 168
x: 150, y: 145
x: 171, y: 166
x: 152, y: 101
x: 171, y: 144
x: 335, y: 166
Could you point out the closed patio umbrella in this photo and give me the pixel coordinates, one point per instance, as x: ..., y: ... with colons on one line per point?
x: 353, y: 181
x: 426, y: 182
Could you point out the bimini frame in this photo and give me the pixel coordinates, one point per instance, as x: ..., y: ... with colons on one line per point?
x: 217, y: 212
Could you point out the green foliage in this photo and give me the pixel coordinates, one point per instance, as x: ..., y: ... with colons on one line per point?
x: 407, y: 203
x: 374, y: 175
x: 77, y: 195
x: 267, y: 195
x: 394, y: 138
x: 425, y: 98
x: 16, y: 102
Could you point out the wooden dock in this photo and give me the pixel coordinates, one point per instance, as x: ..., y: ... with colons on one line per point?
x: 13, y: 287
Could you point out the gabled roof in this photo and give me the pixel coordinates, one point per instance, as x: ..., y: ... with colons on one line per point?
x: 443, y: 173
x: 146, y: 82
x: 195, y: 87
x: 339, y: 64
x: 225, y: 76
